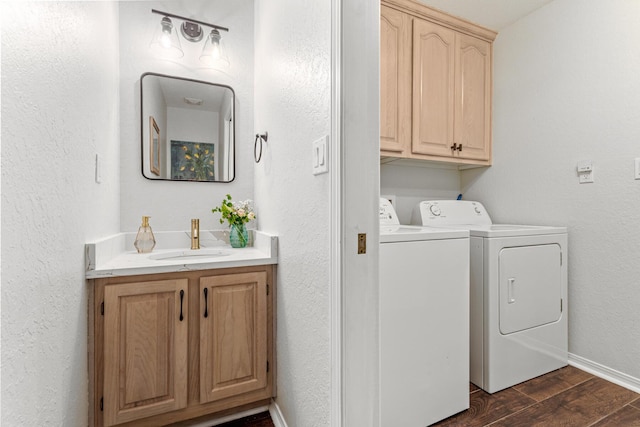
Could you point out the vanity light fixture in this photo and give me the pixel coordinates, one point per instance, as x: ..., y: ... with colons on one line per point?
x: 166, y: 39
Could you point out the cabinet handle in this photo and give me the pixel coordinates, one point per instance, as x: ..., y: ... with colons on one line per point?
x: 453, y: 147
x: 206, y: 306
x: 459, y: 147
x: 181, y: 301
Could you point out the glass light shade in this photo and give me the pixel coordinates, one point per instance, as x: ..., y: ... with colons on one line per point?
x: 213, y: 52
x: 165, y: 41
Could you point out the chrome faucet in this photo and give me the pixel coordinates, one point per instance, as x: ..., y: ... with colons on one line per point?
x: 195, y: 234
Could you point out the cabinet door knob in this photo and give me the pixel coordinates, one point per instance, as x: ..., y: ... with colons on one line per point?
x: 206, y: 305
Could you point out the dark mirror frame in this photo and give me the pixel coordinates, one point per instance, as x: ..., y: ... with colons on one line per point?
x: 148, y: 122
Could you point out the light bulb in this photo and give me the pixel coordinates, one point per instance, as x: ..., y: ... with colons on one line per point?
x: 166, y: 42
x: 165, y: 38
x: 213, y: 53
x: 215, y: 49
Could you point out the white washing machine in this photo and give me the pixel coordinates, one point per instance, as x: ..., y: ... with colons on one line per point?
x: 518, y: 293
x: 424, y: 322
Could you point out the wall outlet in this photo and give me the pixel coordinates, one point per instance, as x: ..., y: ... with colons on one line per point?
x: 585, y: 177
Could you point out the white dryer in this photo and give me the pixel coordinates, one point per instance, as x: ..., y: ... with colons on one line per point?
x: 424, y: 322
x: 518, y: 293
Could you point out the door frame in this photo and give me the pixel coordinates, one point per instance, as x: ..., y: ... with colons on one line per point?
x: 355, y: 189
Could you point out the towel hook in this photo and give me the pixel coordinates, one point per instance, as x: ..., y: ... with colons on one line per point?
x: 262, y: 138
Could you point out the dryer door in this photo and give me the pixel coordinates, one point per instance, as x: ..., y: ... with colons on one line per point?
x: 530, y: 287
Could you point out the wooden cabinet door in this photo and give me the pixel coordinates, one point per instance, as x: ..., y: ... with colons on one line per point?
x: 145, y: 349
x: 233, y: 334
x: 395, y: 82
x: 473, y: 98
x: 433, y: 88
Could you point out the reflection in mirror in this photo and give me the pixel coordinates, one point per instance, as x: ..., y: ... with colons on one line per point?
x: 188, y: 131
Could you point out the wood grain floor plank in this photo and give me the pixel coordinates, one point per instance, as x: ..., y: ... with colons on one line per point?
x: 473, y: 387
x: 628, y: 416
x: 578, y: 406
x: 636, y: 403
x: 485, y: 408
x: 263, y: 419
x: 553, y: 383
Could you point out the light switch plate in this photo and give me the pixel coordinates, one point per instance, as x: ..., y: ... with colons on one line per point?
x: 320, y: 155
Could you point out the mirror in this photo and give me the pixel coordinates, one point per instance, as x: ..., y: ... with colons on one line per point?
x: 188, y: 129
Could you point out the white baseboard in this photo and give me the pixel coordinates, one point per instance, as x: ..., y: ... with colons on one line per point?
x: 616, y: 377
x: 276, y: 415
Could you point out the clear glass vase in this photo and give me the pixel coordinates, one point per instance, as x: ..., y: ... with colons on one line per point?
x: 238, y: 236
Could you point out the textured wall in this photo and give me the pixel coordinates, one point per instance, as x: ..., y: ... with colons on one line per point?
x: 59, y: 108
x: 171, y: 205
x: 292, y: 103
x: 411, y: 185
x: 566, y: 89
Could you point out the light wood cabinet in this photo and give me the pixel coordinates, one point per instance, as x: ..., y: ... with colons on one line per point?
x: 170, y: 347
x: 233, y: 335
x: 395, y: 87
x: 449, y: 72
x: 145, y: 349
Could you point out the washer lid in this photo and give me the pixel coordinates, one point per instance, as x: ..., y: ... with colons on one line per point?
x: 511, y: 230
x: 408, y: 233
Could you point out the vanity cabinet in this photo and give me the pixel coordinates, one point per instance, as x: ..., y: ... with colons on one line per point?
x: 435, y: 85
x: 172, y: 347
x: 145, y: 349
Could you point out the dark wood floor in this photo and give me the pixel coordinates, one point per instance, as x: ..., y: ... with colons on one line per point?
x: 567, y: 397
x: 262, y: 419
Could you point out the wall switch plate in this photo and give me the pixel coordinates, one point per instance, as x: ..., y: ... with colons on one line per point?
x: 320, y: 155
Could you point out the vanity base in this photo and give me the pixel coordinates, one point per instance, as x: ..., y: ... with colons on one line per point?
x: 175, y: 347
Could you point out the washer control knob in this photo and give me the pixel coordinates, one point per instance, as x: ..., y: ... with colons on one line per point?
x: 435, y: 210
x: 477, y: 209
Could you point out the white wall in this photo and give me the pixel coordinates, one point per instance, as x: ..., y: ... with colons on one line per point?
x: 566, y: 88
x: 292, y: 103
x: 171, y: 205
x: 59, y: 108
x: 412, y: 184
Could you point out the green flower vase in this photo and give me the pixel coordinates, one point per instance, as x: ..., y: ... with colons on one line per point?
x: 238, y: 236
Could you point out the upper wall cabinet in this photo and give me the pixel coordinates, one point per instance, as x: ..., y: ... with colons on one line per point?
x: 435, y: 92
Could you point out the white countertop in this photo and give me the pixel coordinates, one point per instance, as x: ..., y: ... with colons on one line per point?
x: 111, y: 256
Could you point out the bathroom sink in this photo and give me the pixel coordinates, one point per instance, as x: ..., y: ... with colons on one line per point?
x: 189, y: 254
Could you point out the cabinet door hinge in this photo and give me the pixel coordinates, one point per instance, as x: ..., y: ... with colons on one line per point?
x: 267, y: 289
x: 102, y: 308
x: 101, y: 403
x: 267, y: 366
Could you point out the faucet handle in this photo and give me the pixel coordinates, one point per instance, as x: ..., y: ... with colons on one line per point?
x: 195, y: 233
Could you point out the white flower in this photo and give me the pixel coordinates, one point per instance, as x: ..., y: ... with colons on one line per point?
x: 241, y: 213
x: 251, y: 216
